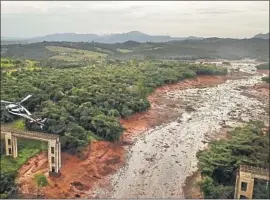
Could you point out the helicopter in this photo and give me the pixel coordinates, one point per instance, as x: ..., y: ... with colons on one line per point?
x: 15, y: 108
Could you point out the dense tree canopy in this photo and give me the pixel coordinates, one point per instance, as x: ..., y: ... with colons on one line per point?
x: 84, y: 101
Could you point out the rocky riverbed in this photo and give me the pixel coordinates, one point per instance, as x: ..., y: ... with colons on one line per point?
x: 162, y: 158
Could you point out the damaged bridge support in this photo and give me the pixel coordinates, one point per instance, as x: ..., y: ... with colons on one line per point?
x: 245, y: 180
x: 54, y: 156
x: 11, y: 145
x: 54, y: 146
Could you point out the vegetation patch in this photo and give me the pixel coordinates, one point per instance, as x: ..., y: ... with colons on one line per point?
x: 265, y: 79
x: 263, y: 66
x: 247, y: 145
x: 124, y: 50
x: 19, y: 124
x: 10, y: 166
x: 9, y: 65
x: 71, y: 54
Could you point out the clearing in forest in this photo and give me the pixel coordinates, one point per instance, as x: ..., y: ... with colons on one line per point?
x: 70, y: 54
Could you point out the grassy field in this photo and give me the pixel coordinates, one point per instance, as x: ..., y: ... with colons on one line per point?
x: 124, y: 50
x: 26, y: 149
x: 31, y: 65
x: 7, y: 63
x: 103, y: 50
x: 18, y: 124
x: 70, y: 54
x: 10, y: 65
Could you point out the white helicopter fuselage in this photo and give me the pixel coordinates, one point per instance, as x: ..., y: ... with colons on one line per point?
x: 11, y: 106
x: 15, y: 108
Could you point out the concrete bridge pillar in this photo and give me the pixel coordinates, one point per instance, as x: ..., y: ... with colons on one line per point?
x: 245, y: 180
x: 54, y: 157
x: 14, y: 146
x: 11, y: 145
x: 244, y: 186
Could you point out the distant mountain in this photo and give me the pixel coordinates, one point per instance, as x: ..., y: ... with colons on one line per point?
x: 112, y: 38
x: 262, y: 36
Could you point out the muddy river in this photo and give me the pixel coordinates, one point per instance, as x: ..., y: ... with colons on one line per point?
x: 163, y: 157
x: 159, y: 146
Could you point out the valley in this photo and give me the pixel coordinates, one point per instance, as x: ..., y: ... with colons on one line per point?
x: 158, y: 148
x: 128, y: 125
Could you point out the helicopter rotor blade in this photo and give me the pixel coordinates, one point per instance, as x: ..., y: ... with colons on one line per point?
x: 22, y: 115
x: 27, y: 97
x: 28, y: 113
x: 8, y: 102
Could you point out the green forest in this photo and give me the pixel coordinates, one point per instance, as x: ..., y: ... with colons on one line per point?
x: 85, y: 102
x: 82, y: 103
x: 244, y: 145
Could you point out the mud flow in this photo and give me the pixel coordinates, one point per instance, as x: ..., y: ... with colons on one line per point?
x: 159, y: 146
x: 162, y: 158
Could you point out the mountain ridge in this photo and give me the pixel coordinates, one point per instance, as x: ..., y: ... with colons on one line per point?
x: 109, y: 38
x: 135, y: 36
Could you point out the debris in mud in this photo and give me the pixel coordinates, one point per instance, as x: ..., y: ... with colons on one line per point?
x: 166, y: 146
x: 190, y: 108
x: 127, y: 143
x: 106, y: 170
x: 142, y: 171
x: 78, y: 185
x: 112, y: 160
x: 95, y: 176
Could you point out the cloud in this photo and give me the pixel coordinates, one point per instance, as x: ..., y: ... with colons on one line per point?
x: 176, y: 18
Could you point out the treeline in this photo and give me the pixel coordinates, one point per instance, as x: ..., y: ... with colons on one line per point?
x: 218, y: 165
x: 83, y: 102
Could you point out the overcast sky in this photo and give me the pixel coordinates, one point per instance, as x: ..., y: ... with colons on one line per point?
x: 222, y: 19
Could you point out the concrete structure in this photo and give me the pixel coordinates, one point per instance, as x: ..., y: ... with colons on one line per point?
x: 245, y: 180
x: 54, y: 146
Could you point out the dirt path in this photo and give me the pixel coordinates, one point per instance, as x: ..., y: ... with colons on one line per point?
x: 79, y: 176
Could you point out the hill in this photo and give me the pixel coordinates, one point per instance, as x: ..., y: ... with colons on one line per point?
x: 262, y: 36
x: 176, y: 50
